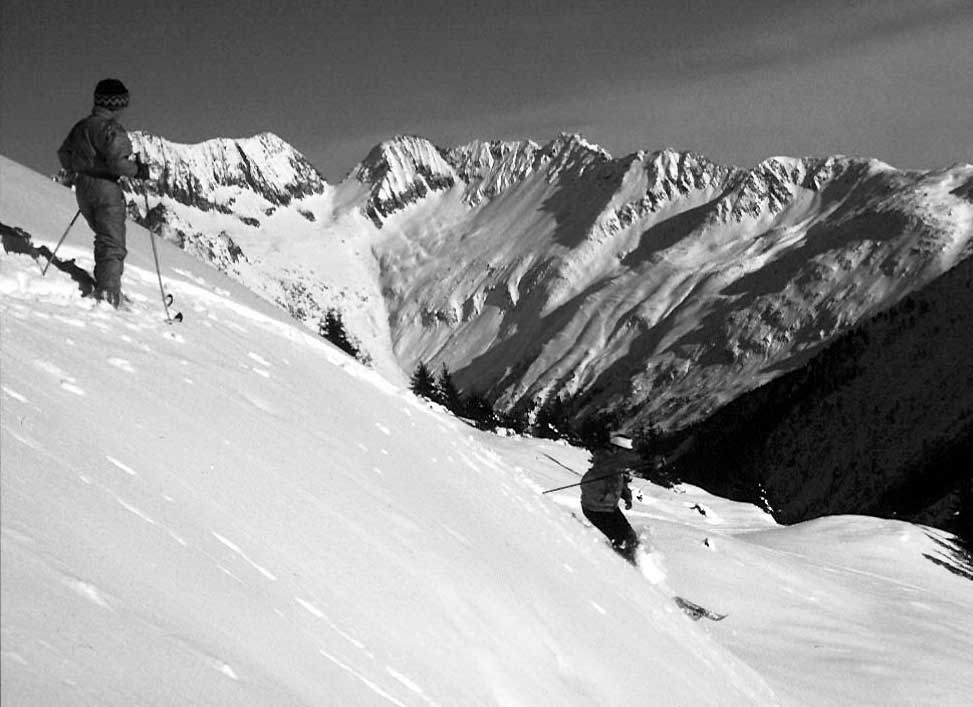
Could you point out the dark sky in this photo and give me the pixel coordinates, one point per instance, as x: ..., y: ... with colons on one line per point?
x: 737, y: 80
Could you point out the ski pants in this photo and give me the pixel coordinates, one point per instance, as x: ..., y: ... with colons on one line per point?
x: 103, y: 205
x: 615, y: 525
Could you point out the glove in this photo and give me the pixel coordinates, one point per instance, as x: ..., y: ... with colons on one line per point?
x: 628, y: 505
x: 141, y: 169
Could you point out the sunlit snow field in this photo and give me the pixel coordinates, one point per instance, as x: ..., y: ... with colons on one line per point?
x: 230, y: 511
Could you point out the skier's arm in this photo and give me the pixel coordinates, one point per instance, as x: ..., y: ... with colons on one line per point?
x: 64, y: 156
x: 626, y: 491
x: 117, y: 151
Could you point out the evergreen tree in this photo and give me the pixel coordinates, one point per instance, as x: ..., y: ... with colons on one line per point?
x: 478, y: 409
x: 552, y: 421
x: 423, y: 383
x: 332, y: 328
x: 446, y: 392
x: 517, y: 419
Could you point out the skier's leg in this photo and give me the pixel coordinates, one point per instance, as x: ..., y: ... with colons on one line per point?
x: 625, y: 540
x: 110, y: 250
x: 103, y: 205
x: 616, y: 527
x: 602, y: 521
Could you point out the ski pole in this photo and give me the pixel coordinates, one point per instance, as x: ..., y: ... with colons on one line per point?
x: 582, y: 483
x: 54, y: 252
x: 560, y: 464
x: 158, y: 270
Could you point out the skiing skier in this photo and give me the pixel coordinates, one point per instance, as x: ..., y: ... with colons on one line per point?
x: 603, y: 486
x: 98, y: 152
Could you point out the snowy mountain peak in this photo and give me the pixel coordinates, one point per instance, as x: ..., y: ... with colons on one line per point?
x: 402, y: 171
x: 572, y: 142
x: 264, y: 164
x: 570, y: 156
x: 686, y: 171
x: 489, y: 168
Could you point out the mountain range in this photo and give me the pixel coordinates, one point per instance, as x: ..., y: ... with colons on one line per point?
x: 656, y: 287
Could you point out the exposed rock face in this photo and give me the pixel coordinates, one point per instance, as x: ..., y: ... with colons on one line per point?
x: 401, y: 172
x: 194, y: 174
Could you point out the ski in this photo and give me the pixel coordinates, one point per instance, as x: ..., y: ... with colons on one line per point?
x: 697, y: 612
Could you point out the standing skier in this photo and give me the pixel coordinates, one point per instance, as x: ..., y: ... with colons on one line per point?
x: 99, y: 152
x: 601, y: 489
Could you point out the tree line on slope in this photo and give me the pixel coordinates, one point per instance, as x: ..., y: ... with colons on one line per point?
x: 551, y: 419
x: 879, y: 423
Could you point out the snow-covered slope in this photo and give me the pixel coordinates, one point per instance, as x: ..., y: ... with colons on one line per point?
x: 229, y: 511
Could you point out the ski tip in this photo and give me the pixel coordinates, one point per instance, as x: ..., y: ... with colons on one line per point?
x: 697, y: 612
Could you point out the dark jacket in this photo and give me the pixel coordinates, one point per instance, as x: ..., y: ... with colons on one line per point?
x: 98, y: 147
x: 603, y: 494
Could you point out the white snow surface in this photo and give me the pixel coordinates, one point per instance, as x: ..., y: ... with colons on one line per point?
x: 229, y: 511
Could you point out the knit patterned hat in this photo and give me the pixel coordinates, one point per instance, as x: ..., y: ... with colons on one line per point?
x: 111, y: 94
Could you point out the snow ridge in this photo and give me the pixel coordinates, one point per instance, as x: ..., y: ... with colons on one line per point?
x: 489, y: 168
x: 194, y: 174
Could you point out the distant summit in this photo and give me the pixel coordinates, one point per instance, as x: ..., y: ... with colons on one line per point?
x: 264, y: 164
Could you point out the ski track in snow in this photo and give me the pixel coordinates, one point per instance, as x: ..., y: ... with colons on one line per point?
x: 139, y: 513
x: 66, y: 381
x: 14, y: 656
x: 127, y: 469
x: 72, y: 388
x: 368, y: 683
x: 121, y: 364
x: 230, y: 544
x: 132, y: 509
x: 317, y: 613
x: 229, y: 574
x: 14, y: 394
x: 87, y: 591
x: 71, y: 321
x: 259, y: 359
x: 410, y: 684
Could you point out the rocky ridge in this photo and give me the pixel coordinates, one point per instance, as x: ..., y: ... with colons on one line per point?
x: 657, y: 286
